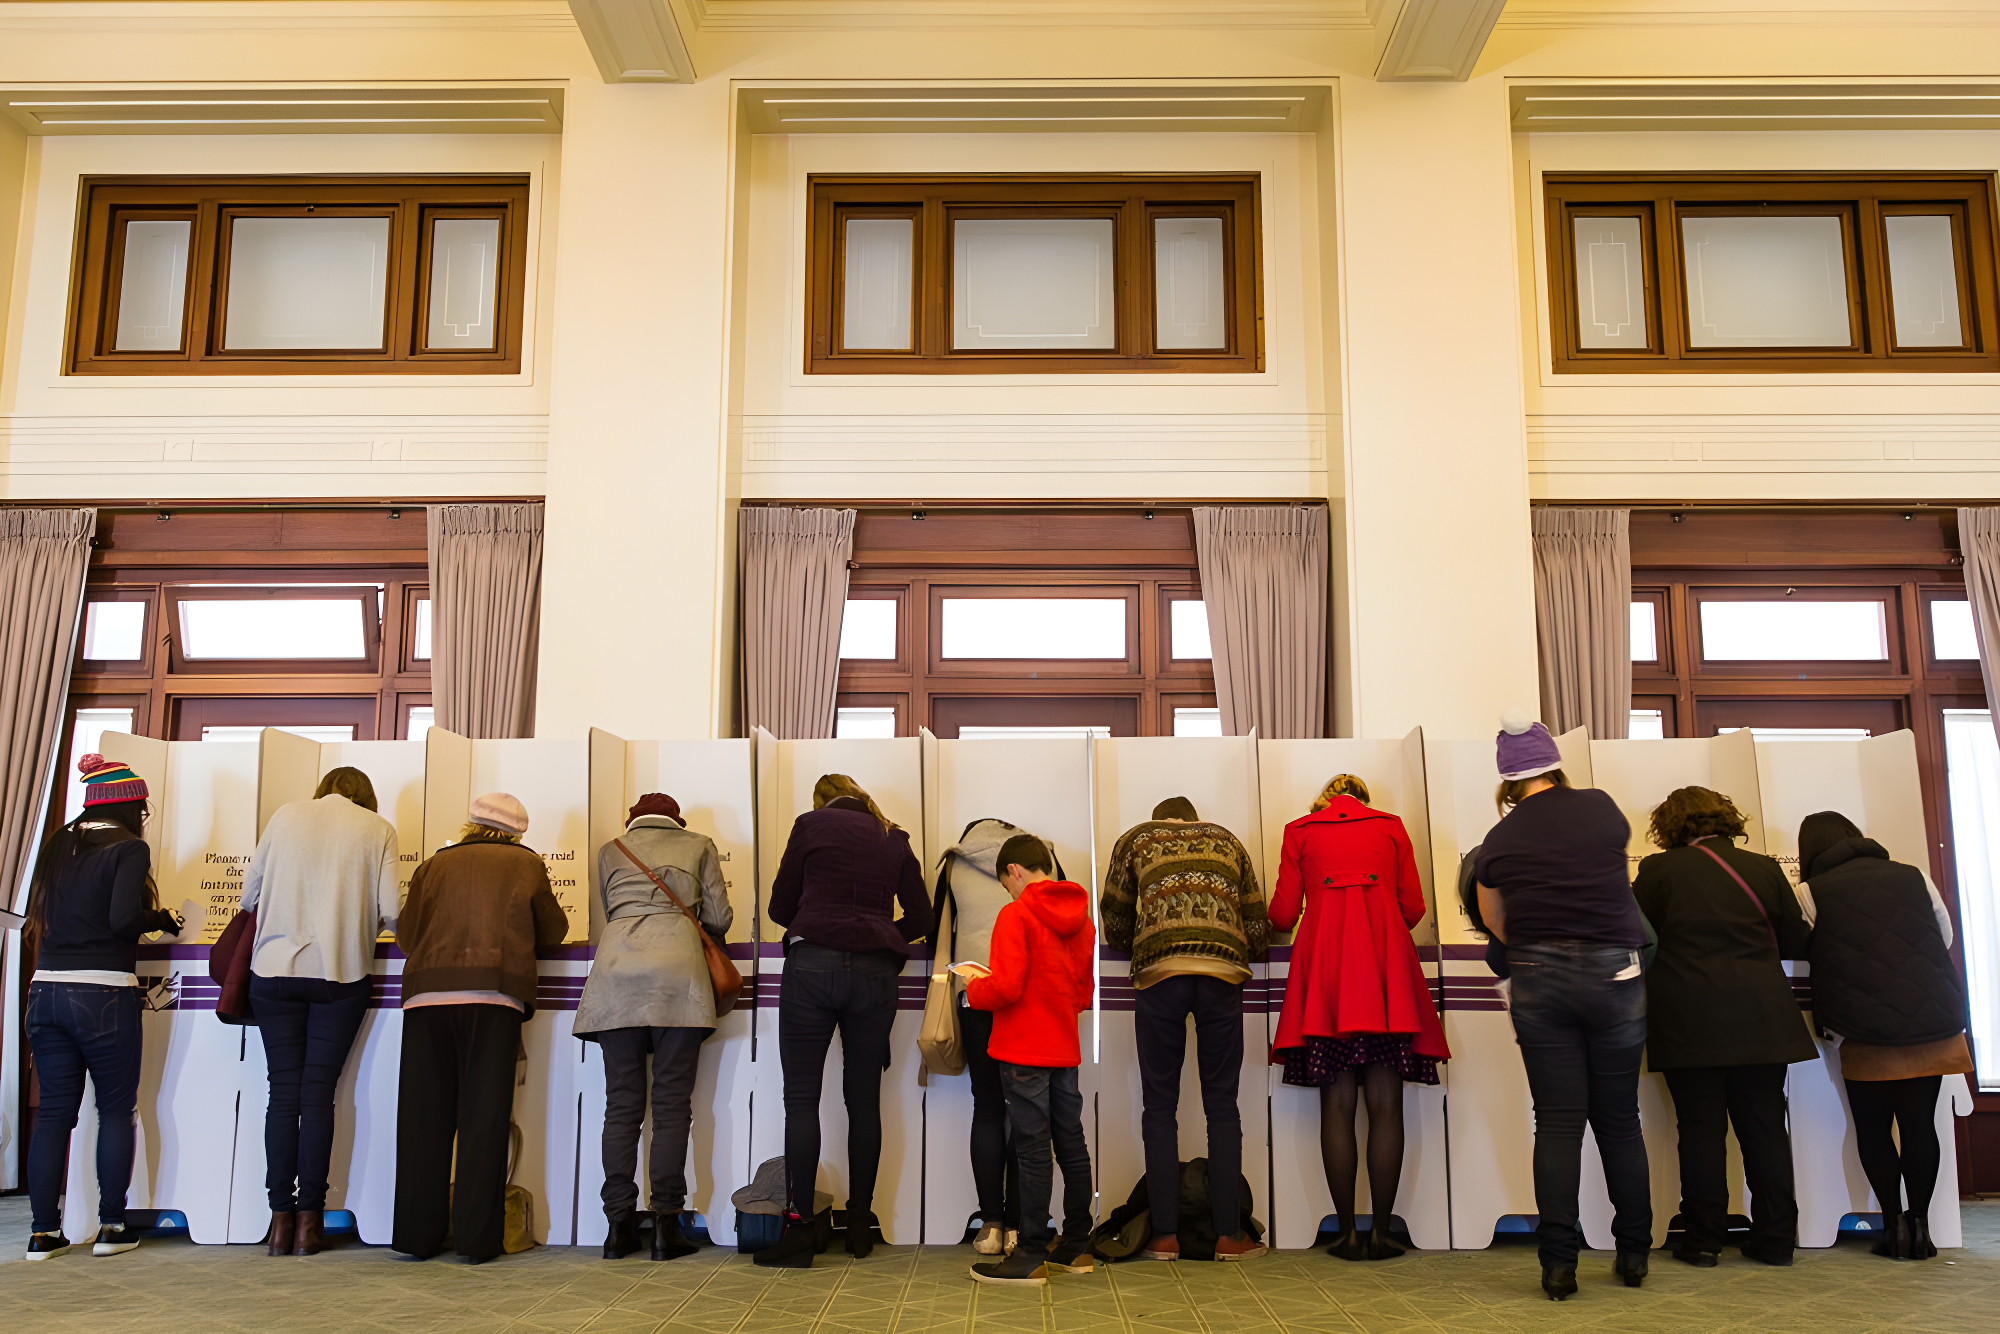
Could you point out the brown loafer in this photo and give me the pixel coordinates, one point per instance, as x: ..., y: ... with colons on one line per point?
x: 280, y: 1236
x: 311, y: 1232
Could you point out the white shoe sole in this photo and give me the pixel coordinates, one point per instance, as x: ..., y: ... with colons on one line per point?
x: 47, y: 1255
x: 113, y: 1248
x: 1245, y: 1255
x: 1034, y: 1282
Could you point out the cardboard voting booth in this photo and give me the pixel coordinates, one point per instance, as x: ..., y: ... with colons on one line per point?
x: 1291, y: 775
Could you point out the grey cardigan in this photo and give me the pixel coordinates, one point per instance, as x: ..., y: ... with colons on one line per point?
x: 649, y: 971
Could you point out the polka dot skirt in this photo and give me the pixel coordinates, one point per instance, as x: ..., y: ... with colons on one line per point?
x: 1317, y: 1063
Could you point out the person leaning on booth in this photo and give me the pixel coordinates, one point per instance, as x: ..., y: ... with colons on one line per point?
x: 323, y: 886
x: 845, y: 869
x: 649, y: 994
x: 91, y: 898
x: 1885, y: 987
x: 1553, y: 890
x: 1357, y: 1012
x: 478, y: 913
x: 1722, y: 1021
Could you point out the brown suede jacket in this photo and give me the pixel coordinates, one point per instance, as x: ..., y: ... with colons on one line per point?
x: 477, y: 916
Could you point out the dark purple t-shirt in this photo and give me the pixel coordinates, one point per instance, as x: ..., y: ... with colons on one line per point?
x: 1558, y: 861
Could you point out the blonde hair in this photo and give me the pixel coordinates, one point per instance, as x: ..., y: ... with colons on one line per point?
x: 832, y: 787
x: 482, y: 833
x: 1341, y: 785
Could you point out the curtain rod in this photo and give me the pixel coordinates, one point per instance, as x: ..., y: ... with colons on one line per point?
x: 1768, y: 506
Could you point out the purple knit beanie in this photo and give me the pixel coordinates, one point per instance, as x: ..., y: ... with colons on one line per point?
x: 1525, y: 749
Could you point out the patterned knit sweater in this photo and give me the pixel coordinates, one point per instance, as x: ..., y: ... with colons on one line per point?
x: 1187, y: 893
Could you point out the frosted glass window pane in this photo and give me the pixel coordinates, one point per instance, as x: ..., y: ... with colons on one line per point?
x: 1053, y: 732
x: 1802, y: 733
x: 863, y: 724
x: 875, y: 286
x: 273, y: 628
x: 420, y: 632
x: 1645, y: 633
x: 1765, y: 282
x: 868, y: 628
x: 1034, y: 627
x: 1972, y: 779
x: 1923, y: 280
x: 1952, y: 633
x: 1197, y: 722
x: 152, y: 289
x: 465, y: 269
x: 87, y: 739
x: 1190, y: 631
x: 306, y: 282
x: 423, y: 718
x: 1647, y: 725
x: 311, y: 731
x: 114, y: 631
x: 1610, y: 282
x: 1187, y: 268
x: 1032, y: 282
x: 1794, y: 631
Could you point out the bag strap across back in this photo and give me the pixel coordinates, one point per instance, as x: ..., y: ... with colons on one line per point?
x: 1744, y: 885
x: 672, y: 898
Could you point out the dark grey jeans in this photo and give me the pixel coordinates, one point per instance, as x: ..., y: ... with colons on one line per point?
x: 675, y: 1052
x: 1045, y: 1107
x: 1159, y: 1026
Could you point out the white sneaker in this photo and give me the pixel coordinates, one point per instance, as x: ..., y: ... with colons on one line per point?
x: 989, y: 1240
x: 114, y: 1241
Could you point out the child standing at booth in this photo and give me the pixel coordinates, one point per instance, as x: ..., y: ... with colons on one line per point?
x: 1041, y: 978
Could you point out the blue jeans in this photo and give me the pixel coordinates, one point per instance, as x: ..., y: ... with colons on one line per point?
x: 1582, y: 1031
x: 1046, y: 1109
x: 74, y: 1030
x: 1159, y: 1030
x: 308, y: 1025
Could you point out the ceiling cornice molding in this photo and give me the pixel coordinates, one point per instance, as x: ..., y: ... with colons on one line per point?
x: 1574, y: 14
x: 820, y: 15
x: 289, y: 15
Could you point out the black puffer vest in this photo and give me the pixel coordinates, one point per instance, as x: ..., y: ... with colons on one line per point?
x: 1880, y: 971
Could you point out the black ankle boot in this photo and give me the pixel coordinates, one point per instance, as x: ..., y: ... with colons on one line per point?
x: 1917, y: 1227
x: 794, y: 1250
x: 860, y: 1231
x: 1895, y: 1241
x: 1559, y: 1283
x: 669, y: 1242
x: 623, y: 1239
x: 1631, y: 1267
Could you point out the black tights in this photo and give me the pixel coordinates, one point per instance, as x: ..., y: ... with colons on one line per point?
x: 1912, y: 1105
x: 1383, y: 1087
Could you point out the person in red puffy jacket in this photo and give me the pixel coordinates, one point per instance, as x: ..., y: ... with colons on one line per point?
x: 1041, y: 977
x: 1357, y: 1015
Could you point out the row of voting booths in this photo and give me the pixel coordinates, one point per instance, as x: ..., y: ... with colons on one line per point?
x: 1467, y: 1169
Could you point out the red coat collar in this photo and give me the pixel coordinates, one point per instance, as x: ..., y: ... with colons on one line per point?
x: 1343, y: 810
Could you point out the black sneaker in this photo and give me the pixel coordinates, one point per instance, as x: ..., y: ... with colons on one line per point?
x: 43, y: 1245
x: 114, y: 1240
x: 1072, y: 1257
x: 1700, y: 1259
x: 794, y: 1250
x: 1022, y: 1269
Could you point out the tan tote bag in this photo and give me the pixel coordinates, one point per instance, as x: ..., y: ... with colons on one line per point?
x: 939, y: 1041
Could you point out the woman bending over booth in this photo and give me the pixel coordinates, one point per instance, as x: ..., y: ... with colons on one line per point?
x: 1357, y: 1014
x: 844, y: 870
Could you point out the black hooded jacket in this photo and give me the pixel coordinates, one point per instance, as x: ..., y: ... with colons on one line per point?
x: 1880, y: 971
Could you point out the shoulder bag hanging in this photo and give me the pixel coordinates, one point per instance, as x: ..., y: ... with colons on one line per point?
x: 939, y: 1041
x: 1744, y: 885
x: 229, y: 968
x: 723, y: 973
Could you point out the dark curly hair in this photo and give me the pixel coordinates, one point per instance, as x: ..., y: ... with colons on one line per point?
x: 1690, y: 813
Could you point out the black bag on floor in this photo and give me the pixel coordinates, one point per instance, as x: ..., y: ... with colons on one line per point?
x: 1127, y: 1229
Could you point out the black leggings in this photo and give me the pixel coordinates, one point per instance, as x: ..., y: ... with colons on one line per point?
x: 994, y: 1167
x: 1912, y: 1105
x: 854, y: 992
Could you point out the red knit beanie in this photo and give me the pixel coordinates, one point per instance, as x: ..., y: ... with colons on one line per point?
x: 656, y: 803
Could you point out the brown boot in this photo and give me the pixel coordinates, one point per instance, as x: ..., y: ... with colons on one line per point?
x: 311, y: 1233
x: 282, y: 1230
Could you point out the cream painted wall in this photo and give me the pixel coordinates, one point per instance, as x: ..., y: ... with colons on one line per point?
x: 13, y: 191
x: 940, y: 437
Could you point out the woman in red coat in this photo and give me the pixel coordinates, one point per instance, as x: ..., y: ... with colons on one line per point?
x: 1358, y: 1016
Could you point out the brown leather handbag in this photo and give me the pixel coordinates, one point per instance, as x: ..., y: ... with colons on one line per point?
x: 723, y: 974
x: 229, y: 969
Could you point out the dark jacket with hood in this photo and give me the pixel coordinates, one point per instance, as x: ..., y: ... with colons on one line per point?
x: 1044, y: 971
x: 1880, y: 971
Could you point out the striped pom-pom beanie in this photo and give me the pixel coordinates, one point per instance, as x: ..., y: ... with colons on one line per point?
x: 106, y: 781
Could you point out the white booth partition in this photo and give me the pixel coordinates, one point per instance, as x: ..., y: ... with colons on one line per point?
x: 1043, y: 786
x: 1131, y: 776
x: 552, y: 780
x: 1874, y: 782
x: 1489, y: 1112
x: 891, y: 770
x: 715, y: 785
x: 1291, y: 775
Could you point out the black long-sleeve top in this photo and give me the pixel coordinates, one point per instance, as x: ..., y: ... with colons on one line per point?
x: 840, y: 880
x: 97, y: 909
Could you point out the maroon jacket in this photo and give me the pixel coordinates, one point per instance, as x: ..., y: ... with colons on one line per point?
x: 841, y: 878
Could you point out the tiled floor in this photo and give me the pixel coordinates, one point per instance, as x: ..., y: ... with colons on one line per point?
x: 179, y: 1287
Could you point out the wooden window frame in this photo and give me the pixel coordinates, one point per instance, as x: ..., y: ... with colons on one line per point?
x: 938, y: 665
x: 1894, y: 630
x: 1663, y: 200
x: 211, y: 203
x: 1661, y: 665
x: 934, y: 202
x: 179, y: 664
x: 149, y: 634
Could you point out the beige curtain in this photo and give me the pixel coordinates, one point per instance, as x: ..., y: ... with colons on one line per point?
x: 1979, y: 545
x: 1263, y: 576
x: 792, y: 567
x: 486, y: 617
x: 43, y: 558
x: 1583, y: 619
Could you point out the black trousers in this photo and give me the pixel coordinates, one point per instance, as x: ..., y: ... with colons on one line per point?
x: 1707, y: 1101
x: 853, y: 993
x: 995, y: 1171
x: 675, y: 1053
x: 1159, y: 1024
x: 1048, y: 1110
x: 1911, y: 1105
x: 456, y: 1084
x: 308, y: 1026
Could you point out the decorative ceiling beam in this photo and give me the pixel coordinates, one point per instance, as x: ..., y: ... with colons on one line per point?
x: 634, y: 41
x: 1436, y: 41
